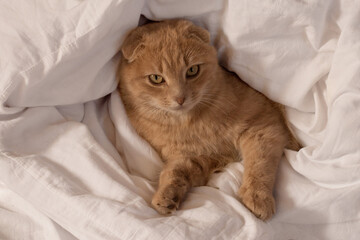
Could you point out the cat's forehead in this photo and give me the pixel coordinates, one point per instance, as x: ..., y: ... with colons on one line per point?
x: 168, y: 29
x: 173, y: 56
x: 172, y: 47
x: 171, y: 44
x: 166, y: 38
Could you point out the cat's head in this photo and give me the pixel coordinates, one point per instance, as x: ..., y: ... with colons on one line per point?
x: 167, y: 66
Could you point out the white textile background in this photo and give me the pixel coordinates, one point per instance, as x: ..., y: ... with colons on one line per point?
x: 71, y: 166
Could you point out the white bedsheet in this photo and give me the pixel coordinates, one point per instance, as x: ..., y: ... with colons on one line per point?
x: 71, y: 166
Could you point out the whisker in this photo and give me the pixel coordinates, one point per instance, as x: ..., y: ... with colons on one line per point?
x: 209, y: 94
x: 212, y: 105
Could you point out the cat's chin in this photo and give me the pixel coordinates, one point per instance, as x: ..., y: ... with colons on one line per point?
x: 179, y: 110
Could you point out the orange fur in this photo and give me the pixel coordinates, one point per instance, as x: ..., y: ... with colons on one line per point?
x: 218, y: 119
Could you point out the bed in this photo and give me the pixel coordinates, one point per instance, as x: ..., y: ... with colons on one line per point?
x: 72, y: 167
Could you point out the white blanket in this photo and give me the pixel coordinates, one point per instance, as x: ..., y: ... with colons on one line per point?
x: 72, y: 167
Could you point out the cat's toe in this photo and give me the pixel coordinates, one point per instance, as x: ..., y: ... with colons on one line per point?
x: 260, y: 203
x: 164, y: 205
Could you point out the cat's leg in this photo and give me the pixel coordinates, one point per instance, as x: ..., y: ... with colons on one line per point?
x: 261, y: 151
x: 176, y: 179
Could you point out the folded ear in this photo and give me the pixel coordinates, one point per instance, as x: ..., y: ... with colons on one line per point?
x: 198, y: 33
x: 133, y: 44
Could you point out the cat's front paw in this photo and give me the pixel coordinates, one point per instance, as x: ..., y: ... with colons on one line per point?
x: 165, y: 202
x: 260, y: 202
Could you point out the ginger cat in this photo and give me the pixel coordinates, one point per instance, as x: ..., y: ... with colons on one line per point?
x: 198, y: 116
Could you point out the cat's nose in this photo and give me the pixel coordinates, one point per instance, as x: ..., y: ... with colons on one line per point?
x: 180, y: 100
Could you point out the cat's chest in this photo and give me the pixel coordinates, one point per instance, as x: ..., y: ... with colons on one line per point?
x: 198, y: 138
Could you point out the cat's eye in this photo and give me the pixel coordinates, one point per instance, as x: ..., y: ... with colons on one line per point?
x: 192, y: 71
x: 156, y: 79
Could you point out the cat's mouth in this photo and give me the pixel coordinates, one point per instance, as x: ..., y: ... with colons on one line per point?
x: 180, y: 108
x: 183, y: 108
